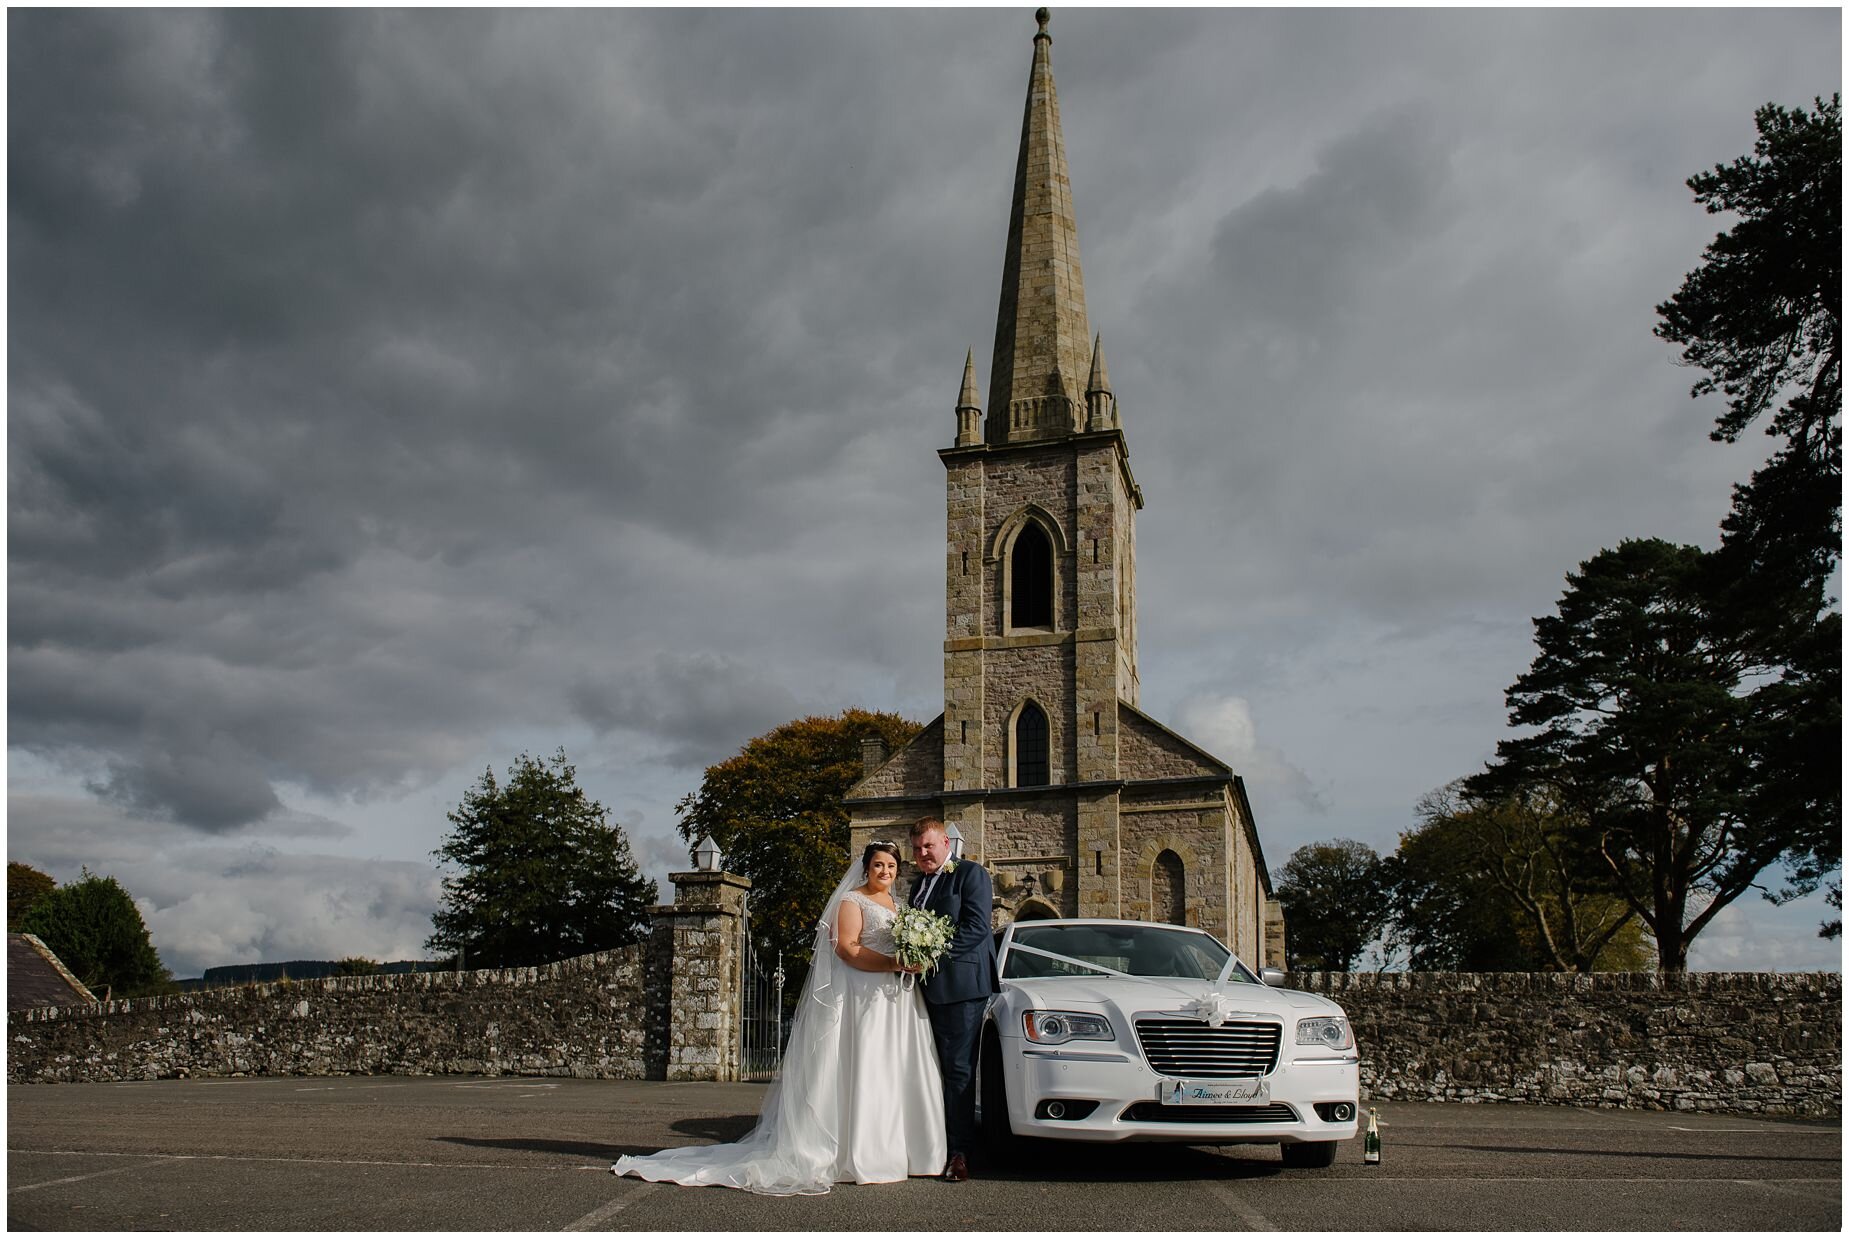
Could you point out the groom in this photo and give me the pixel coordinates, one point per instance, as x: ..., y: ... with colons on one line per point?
x: 957, y: 991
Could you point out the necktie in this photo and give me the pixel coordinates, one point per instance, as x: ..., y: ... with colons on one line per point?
x: 924, y: 890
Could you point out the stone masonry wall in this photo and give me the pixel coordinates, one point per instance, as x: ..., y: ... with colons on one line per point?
x: 1768, y: 1043
x: 1752, y: 1043
x: 666, y: 1008
x: 593, y: 1016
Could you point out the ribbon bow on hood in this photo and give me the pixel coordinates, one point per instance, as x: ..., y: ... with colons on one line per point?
x: 1214, y: 1008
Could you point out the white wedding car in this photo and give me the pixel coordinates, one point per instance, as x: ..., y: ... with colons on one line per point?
x: 1123, y: 1030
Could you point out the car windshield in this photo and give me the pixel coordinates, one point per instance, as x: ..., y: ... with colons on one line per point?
x: 1139, y: 950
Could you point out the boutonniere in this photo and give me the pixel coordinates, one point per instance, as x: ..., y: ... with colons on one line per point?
x: 949, y: 866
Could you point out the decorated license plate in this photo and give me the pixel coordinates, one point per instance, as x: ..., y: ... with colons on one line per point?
x: 1214, y: 1093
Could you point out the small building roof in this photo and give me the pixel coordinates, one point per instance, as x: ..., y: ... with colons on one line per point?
x: 35, y: 977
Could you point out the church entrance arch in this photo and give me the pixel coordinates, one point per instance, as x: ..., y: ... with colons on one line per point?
x: 1035, y: 909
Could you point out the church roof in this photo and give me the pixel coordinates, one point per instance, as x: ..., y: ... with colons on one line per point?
x: 1042, y: 339
x: 915, y: 772
x: 1148, y: 750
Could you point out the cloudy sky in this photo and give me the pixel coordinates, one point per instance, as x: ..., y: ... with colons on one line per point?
x: 389, y: 393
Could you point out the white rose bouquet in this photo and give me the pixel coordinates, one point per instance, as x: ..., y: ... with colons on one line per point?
x: 921, y: 937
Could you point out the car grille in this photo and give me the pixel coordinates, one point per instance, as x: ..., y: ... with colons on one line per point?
x: 1156, y: 1112
x: 1196, y: 1050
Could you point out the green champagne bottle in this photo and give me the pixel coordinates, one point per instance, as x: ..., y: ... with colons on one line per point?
x: 1370, y: 1143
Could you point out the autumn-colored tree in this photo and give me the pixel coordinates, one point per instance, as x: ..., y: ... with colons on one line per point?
x: 25, y: 886
x: 775, y: 811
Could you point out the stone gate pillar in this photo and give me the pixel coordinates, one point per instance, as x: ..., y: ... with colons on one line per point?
x: 705, y: 962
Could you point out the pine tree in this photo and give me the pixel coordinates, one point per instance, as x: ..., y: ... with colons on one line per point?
x: 1666, y: 736
x: 543, y: 873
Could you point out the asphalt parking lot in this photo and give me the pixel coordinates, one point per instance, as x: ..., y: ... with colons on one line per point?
x: 457, y: 1153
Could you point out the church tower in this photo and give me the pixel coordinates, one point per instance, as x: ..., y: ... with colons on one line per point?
x: 1040, y: 597
x: 1078, y: 803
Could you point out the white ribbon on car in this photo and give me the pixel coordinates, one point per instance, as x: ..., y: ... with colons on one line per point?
x: 1214, y: 1008
x: 1024, y: 949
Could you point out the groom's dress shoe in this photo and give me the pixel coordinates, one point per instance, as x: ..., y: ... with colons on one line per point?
x: 956, y: 1170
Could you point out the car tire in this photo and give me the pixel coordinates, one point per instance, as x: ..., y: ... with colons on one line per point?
x: 998, y: 1137
x: 1309, y: 1155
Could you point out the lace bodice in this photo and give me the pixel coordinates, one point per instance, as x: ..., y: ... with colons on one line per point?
x: 876, y: 924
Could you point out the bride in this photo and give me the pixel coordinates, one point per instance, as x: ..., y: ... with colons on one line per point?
x: 859, y: 1098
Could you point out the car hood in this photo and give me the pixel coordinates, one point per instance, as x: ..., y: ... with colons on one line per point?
x: 1130, y: 995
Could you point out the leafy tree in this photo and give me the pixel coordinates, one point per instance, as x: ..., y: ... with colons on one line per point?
x: 355, y: 966
x: 1335, y: 904
x: 775, y: 811
x: 544, y: 874
x: 94, y: 927
x: 1509, y: 886
x: 25, y: 886
x: 1446, y: 911
x: 1763, y: 316
x: 1661, y: 733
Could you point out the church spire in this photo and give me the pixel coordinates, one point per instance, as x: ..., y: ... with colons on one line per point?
x: 969, y: 408
x: 1040, y: 328
x: 1100, y: 402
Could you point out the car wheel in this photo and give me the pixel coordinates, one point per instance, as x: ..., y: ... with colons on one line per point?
x: 1311, y: 1155
x: 997, y: 1133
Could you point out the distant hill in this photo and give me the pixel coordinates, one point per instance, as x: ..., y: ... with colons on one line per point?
x: 296, y: 970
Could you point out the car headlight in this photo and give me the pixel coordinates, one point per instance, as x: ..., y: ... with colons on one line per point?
x: 1054, y: 1027
x: 1328, y: 1031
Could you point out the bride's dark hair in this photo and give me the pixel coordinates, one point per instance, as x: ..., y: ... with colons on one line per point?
x: 873, y: 849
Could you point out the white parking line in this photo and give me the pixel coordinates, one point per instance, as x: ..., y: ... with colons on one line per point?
x: 603, y: 1213
x: 1763, y: 1127
x: 1796, y: 1186
x: 1382, y: 1179
x: 1253, y: 1219
x: 79, y: 1178
x: 304, y: 1161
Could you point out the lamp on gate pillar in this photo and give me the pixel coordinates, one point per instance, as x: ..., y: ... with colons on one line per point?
x: 706, y: 855
x: 955, y: 837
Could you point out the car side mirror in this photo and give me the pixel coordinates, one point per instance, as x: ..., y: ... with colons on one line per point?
x: 1273, y: 977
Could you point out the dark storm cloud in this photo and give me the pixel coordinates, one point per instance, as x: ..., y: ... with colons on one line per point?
x: 1293, y: 257
x: 392, y: 390
x: 308, y: 300
x: 700, y: 705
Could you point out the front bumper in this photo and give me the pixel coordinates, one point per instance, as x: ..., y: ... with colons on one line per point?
x: 1127, y: 1094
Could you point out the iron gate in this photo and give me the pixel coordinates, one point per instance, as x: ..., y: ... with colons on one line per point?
x: 760, y: 1013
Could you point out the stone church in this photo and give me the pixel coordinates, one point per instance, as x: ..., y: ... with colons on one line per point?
x: 1078, y: 802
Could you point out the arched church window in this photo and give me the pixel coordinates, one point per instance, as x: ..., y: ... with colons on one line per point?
x: 1030, y: 579
x: 1030, y: 747
x: 1167, y: 895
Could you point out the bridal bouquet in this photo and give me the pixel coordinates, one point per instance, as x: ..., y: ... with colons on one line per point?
x: 921, y: 937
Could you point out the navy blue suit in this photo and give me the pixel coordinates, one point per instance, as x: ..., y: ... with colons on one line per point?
x: 957, y: 991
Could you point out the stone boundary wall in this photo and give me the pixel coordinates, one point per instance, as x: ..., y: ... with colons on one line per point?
x: 666, y: 1008
x: 595, y: 1016
x: 1751, y: 1043
x: 1744, y: 1043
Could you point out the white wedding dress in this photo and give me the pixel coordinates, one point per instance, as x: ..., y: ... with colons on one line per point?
x: 859, y: 1098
